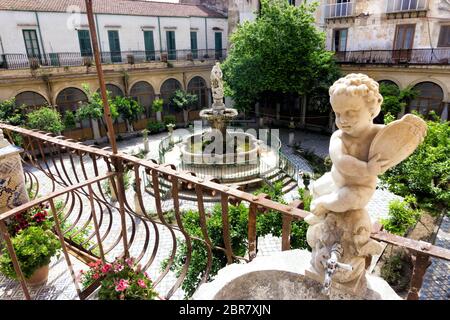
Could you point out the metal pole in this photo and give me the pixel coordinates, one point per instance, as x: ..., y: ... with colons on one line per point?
x: 101, y: 79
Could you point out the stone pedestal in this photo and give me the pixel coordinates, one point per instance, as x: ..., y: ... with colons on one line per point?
x: 95, y: 129
x: 291, y: 138
x: 13, y: 192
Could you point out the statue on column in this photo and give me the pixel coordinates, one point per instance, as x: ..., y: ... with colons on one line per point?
x: 360, y: 151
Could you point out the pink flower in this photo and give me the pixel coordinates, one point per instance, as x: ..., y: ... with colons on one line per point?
x: 122, y: 285
x: 141, y: 283
x: 118, y: 268
x: 146, y: 274
x: 96, y: 276
x: 130, y: 262
x: 106, y: 268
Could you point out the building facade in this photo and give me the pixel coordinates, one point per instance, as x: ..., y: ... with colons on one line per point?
x: 148, y: 50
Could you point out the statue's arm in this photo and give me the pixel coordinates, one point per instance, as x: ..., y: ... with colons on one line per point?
x: 345, y: 163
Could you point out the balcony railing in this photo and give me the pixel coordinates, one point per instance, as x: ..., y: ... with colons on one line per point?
x: 439, y: 56
x: 73, y: 174
x: 339, y: 10
x: 394, y: 6
x: 77, y: 59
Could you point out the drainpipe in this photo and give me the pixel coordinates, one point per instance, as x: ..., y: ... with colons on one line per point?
x: 98, y: 37
x: 206, y: 34
x: 40, y: 33
x: 160, y: 41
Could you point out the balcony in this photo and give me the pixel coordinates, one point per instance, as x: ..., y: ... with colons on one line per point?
x: 410, y: 8
x: 339, y: 10
x: 439, y: 56
x: 77, y: 59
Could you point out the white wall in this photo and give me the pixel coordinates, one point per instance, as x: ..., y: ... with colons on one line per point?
x: 57, y: 37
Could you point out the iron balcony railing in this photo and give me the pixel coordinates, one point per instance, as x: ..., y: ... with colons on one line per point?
x: 394, y: 6
x: 339, y: 10
x: 77, y: 59
x: 73, y: 175
x: 436, y: 56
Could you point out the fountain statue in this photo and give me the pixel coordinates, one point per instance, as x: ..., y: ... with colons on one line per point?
x: 360, y: 150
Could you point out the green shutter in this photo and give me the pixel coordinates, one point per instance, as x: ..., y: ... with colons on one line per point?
x: 218, y: 41
x: 171, y: 48
x: 85, y: 43
x: 149, y: 45
x: 114, y: 46
x: 31, y: 44
x: 194, y: 47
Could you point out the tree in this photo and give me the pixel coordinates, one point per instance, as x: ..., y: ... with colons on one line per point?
x: 12, y: 114
x: 128, y: 108
x: 395, y: 100
x: 280, y: 52
x: 45, y: 119
x: 183, y: 101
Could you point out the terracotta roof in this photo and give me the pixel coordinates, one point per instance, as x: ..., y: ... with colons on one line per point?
x: 123, y: 7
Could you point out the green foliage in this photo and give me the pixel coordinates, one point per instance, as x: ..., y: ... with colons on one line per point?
x: 320, y: 166
x: 127, y: 176
x: 388, y: 118
x: 169, y: 119
x: 11, y: 114
x: 155, y: 126
x: 281, y: 51
x: 238, y: 217
x: 121, y: 280
x: 401, y: 216
x: 34, y: 248
x: 69, y: 120
x: 395, y: 271
x: 157, y: 105
x: 93, y: 108
x: 183, y: 100
x: 395, y: 99
x: 45, y: 119
x: 306, y: 198
x: 426, y: 173
x: 128, y: 108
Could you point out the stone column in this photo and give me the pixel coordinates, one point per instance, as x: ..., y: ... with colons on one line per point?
x: 159, y: 116
x: 208, y: 98
x: 13, y: 192
x: 444, y: 114
x: 95, y: 129
x: 145, y: 140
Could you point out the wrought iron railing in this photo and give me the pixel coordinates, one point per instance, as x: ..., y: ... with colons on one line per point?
x: 436, y: 56
x: 77, y: 59
x: 339, y: 10
x: 73, y: 174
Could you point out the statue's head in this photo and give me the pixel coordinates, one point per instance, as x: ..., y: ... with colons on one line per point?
x: 356, y: 100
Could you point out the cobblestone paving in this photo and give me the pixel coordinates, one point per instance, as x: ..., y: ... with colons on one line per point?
x: 60, y: 285
x: 436, y: 283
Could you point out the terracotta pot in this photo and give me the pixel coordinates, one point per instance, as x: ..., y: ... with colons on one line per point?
x: 39, y: 277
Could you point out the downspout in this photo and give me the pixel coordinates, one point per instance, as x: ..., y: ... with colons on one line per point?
x: 160, y: 41
x: 40, y: 33
x: 98, y: 36
x: 206, y: 34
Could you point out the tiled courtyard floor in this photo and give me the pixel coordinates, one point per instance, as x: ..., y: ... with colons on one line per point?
x: 60, y: 285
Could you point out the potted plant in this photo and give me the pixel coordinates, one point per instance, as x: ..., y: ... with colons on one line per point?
x: 154, y: 126
x: 164, y: 57
x: 130, y: 59
x: 120, y: 280
x: 34, y: 247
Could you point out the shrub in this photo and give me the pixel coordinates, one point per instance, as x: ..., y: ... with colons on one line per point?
x: 425, y: 174
x: 170, y: 119
x: 155, y: 126
x: 183, y: 100
x: 401, y: 216
x: 157, y: 105
x: 121, y: 280
x: 128, y: 108
x: 394, y: 99
x: 396, y: 270
x: 69, y: 120
x: 45, y: 119
x: 34, y: 247
x: 12, y: 114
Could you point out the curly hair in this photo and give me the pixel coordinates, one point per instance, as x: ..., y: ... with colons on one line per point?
x: 358, y: 84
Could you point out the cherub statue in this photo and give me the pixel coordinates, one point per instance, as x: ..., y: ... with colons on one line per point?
x: 360, y: 150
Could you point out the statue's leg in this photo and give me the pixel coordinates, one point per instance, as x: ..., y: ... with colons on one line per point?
x: 345, y: 199
x: 322, y: 186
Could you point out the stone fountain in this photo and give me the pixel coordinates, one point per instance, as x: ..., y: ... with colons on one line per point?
x: 340, y: 226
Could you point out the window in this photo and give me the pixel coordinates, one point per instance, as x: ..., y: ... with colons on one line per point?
x: 149, y: 45
x: 31, y: 43
x: 218, y: 42
x: 85, y: 43
x: 340, y: 40
x: 404, y: 36
x: 171, y: 47
x: 114, y: 46
x: 291, y: 2
x: 444, y: 36
x: 194, y: 47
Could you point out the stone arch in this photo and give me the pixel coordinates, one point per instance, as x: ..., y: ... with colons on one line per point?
x: 69, y: 99
x: 441, y: 84
x: 115, y: 90
x: 431, y: 98
x: 389, y: 81
x: 143, y: 92
x: 197, y: 85
x: 31, y: 99
x: 170, y: 77
x: 168, y: 87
